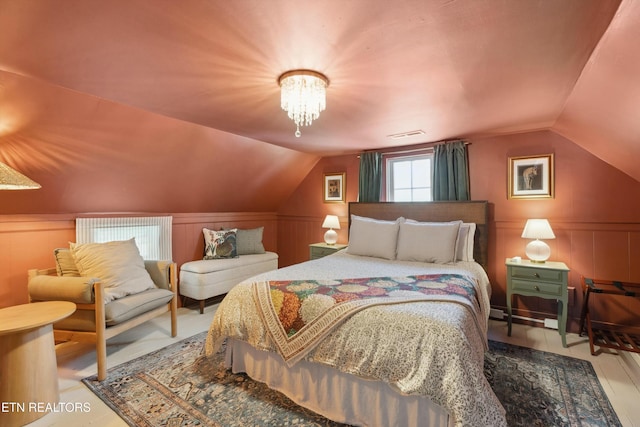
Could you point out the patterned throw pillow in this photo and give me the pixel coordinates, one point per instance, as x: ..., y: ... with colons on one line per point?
x: 219, y: 244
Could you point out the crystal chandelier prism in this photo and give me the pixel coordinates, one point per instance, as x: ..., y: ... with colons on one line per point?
x: 303, y: 96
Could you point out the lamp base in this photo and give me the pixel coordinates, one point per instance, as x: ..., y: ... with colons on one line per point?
x: 330, y: 237
x: 538, y: 251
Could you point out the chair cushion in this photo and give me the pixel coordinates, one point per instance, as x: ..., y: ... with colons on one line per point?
x: 65, y: 264
x: 51, y: 288
x: 117, y: 264
x: 122, y: 309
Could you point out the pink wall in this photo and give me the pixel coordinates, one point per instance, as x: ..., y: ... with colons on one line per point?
x: 595, y: 215
x: 301, y: 216
x: 27, y: 241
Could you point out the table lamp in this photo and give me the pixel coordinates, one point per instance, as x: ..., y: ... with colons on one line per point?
x: 537, y: 250
x: 331, y: 222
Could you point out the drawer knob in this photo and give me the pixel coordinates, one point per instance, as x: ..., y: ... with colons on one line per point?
x: 537, y: 288
x: 536, y: 275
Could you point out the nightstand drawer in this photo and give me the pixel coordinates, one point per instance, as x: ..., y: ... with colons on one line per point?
x: 541, y: 288
x: 529, y: 273
x: 321, y: 252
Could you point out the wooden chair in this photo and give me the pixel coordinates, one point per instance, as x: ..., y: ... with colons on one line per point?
x: 94, y: 321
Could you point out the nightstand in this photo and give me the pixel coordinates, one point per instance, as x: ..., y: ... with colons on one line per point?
x: 319, y: 250
x: 547, y: 280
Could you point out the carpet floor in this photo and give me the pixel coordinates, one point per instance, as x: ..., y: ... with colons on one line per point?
x: 176, y: 387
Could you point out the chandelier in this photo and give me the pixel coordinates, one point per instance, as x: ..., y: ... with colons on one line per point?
x: 303, y: 96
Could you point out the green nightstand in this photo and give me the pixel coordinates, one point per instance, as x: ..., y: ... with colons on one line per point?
x: 319, y: 250
x: 547, y: 280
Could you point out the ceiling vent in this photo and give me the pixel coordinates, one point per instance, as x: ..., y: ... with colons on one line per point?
x: 406, y: 134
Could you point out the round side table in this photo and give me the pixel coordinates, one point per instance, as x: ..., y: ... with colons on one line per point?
x: 28, y: 368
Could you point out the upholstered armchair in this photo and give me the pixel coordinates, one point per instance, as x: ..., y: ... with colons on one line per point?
x: 105, y: 310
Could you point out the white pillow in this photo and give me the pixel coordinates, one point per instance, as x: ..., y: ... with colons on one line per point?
x: 428, y: 241
x: 464, y: 251
x: 373, y: 237
x: 117, y: 264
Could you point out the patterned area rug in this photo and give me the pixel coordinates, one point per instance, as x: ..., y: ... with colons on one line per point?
x: 543, y: 389
x: 175, y: 386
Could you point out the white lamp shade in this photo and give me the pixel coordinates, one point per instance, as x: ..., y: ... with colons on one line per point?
x: 331, y: 222
x: 538, y: 229
x: 537, y: 250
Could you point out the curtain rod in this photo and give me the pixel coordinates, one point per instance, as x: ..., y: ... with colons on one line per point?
x: 407, y: 148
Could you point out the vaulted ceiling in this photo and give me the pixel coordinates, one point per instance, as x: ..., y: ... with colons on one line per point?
x: 459, y: 68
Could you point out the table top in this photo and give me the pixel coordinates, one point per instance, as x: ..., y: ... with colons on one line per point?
x: 327, y: 245
x: 551, y: 265
x: 30, y: 316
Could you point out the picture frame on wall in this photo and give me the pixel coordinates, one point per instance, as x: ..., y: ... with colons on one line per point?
x: 334, y: 187
x: 531, y: 177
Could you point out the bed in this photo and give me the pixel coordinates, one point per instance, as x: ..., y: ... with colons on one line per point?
x: 379, y: 336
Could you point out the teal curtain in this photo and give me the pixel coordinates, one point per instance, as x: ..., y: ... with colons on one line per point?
x: 450, y: 175
x: 370, y: 181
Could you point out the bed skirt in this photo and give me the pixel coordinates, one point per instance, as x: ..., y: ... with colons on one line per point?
x: 335, y: 395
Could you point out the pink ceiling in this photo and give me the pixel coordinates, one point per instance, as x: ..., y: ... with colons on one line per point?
x: 92, y: 155
x: 450, y: 68
x: 602, y: 112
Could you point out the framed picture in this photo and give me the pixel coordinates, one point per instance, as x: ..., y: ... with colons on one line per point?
x: 531, y: 177
x: 333, y: 188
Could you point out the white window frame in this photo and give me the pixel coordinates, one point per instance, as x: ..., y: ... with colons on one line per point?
x: 388, y: 169
x: 153, y: 235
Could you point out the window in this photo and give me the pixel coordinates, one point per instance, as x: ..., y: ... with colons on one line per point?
x: 409, y: 178
x: 152, y: 234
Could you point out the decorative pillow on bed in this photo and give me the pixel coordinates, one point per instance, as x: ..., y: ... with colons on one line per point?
x: 428, y: 241
x: 466, y: 235
x: 373, y: 237
x: 220, y: 244
x: 117, y: 264
x: 249, y: 241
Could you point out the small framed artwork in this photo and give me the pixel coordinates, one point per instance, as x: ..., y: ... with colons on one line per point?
x: 333, y: 188
x: 531, y: 177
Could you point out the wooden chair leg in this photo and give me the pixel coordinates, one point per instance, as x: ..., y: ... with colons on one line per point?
x: 101, y: 341
x: 101, y: 353
x: 174, y: 317
x: 173, y: 304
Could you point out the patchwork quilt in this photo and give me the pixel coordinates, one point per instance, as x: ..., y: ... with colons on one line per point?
x: 299, y: 313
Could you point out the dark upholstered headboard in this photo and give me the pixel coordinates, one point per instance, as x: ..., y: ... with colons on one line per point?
x: 471, y: 211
